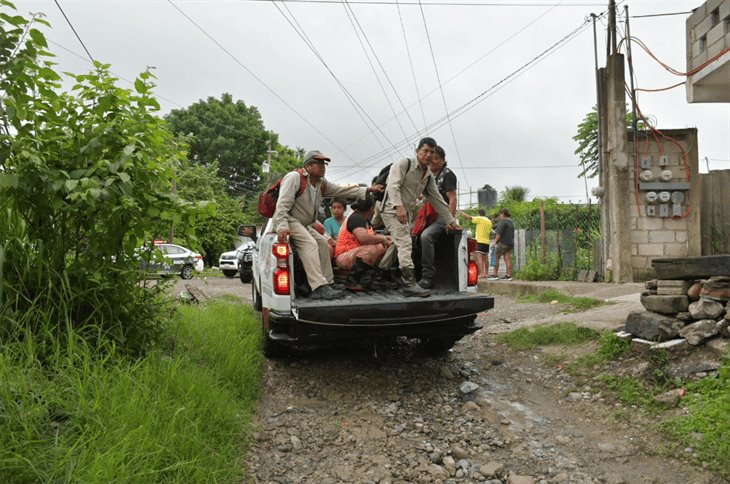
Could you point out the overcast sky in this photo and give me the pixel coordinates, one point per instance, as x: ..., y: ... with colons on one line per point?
x: 517, y: 133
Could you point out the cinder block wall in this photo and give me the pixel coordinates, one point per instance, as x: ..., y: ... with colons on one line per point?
x: 708, y: 34
x: 653, y: 236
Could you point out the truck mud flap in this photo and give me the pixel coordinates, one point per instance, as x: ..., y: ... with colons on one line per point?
x: 390, y: 308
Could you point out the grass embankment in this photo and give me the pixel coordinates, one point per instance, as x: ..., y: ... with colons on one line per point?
x: 703, y: 425
x: 576, y: 303
x: 178, y: 414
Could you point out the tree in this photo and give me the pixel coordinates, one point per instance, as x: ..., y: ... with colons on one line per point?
x: 228, y: 133
x: 515, y: 193
x: 85, y: 180
x: 587, y: 138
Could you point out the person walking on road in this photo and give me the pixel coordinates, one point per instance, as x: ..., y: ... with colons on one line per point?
x: 406, y: 181
x: 504, y: 243
x: 296, y: 214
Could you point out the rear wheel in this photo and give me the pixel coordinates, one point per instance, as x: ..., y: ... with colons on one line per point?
x: 229, y: 273
x: 246, y: 277
x: 255, y: 297
x: 187, y: 272
x: 271, y: 348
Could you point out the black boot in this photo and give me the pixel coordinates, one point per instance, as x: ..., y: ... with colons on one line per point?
x: 354, y: 281
x: 383, y: 280
x: 410, y: 288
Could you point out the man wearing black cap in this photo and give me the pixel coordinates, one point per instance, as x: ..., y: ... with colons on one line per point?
x: 295, y: 215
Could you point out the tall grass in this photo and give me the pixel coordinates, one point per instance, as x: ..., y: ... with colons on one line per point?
x: 177, y: 414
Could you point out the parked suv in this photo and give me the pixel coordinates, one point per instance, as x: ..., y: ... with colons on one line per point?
x: 237, y: 262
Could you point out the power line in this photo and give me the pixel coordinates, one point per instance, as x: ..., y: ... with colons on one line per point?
x: 420, y: 98
x: 385, y: 73
x: 441, y: 89
x: 503, y: 167
x: 235, y: 59
x: 74, y: 31
x: 355, y: 104
x: 410, y: 62
x: 381, y: 2
x: 660, y: 14
x: 372, y: 159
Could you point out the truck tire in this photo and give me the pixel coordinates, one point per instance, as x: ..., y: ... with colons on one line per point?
x: 438, y: 345
x: 246, y: 277
x: 255, y: 297
x: 270, y: 348
x: 229, y: 273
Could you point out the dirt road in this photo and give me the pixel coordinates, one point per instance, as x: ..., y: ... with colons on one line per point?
x: 483, y: 413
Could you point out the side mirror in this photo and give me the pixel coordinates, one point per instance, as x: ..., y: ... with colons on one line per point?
x: 247, y: 231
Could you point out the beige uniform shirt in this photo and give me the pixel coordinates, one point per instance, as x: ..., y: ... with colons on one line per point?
x: 404, y: 187
x: 304, y: 208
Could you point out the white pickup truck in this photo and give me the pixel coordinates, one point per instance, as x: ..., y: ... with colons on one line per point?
x: 289, y: 318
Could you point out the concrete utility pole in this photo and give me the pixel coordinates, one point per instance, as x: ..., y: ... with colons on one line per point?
x: 617, y: 182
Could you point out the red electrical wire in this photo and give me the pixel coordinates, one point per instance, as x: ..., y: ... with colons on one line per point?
x: 675, y: 71
x: 661, y: 89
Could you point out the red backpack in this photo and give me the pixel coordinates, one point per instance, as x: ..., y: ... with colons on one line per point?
x: 268, y: 198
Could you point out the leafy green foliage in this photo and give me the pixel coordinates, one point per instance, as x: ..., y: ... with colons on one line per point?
x: 179, y: 415
x: 557, y: 334
x: 228, y: 133
x: 513, y: 194
x: 587, y: 138
x: 85, y: 179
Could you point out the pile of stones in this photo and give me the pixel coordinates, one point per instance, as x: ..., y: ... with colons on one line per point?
x: 680, y: 315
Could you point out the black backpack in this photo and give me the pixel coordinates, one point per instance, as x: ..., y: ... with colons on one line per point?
x: 382, y: 179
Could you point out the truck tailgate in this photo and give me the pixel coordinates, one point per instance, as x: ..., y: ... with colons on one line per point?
x: 386, y: 308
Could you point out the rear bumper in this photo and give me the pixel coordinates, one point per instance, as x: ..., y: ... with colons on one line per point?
x: 446, y: 315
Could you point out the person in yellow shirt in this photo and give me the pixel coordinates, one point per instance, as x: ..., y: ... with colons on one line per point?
x: 484, y: 228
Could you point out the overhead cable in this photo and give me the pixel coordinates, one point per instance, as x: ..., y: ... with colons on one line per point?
x: 362, y: 113
x: 376, y: 157
x: 410, y: 62
x: 441, y: 89
x: 251, y: 73
x: 74, y: 31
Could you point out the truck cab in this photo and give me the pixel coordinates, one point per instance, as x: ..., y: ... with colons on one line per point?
x: 290, y: 318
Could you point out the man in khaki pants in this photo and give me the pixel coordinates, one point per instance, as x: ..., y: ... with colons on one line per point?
x: 295, y: 215
x: 406, y: 181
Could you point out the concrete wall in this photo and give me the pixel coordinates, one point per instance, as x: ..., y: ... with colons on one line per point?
x: 654, y: 236
x: 708, y: 34
x: 716, y: 212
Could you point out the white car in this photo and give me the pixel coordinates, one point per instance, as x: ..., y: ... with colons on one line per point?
x: 237, y: 261
x: 178, y: 260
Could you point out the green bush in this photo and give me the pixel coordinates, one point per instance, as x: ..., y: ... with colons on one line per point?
x: 85, y: 180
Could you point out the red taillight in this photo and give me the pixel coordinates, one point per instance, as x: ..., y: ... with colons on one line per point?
x: 281, y: 251
x: 281, y: 281
x: 473, y: 273
x: 198, y: 257
x: 473, y: 270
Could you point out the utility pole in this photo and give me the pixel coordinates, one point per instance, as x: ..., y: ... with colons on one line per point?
x: 267, y: 165
x: 617, y: 182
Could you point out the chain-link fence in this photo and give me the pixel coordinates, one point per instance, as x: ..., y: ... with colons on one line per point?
x: 558, y: 241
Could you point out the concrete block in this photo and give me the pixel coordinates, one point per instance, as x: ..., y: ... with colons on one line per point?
x: 651, y: 249
x: 697, y: 16
x: 640, y: 236
x: 681, y: 236
x: 716, y: 33
x: 640, y: 261
x: 661, y: 236
x: 678, y: 225
x: 672, y: 346
x: 653, y: 327
x: 650, y: 223
x: 663, y: 304
x: 634, y: 249
x: 673, y: 283
x: 676, y: 250
x: 716, y: 47
x: 670, y: 291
